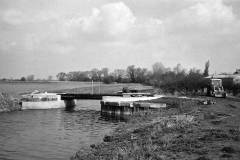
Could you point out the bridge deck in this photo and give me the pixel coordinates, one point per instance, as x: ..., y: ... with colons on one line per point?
x: 70, y: 96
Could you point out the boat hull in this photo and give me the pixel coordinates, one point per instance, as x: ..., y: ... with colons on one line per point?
x: 43, y: 105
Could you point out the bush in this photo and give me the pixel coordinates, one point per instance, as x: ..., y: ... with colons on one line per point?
x: 7, y: 103
x: 236, y: 89
x: 108, y: 80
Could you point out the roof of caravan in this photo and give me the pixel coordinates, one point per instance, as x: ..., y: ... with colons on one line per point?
x: 224, y: 76
x: 40, y: 94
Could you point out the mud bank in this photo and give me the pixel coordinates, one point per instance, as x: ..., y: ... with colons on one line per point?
x: 8, y: 103
x: 184, y: 130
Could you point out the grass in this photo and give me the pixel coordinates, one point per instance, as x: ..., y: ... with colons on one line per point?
x: 182, y: 131
x: 105, y: 88
x: 16, y: 88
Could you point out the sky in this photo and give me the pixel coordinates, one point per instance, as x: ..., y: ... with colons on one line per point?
x: 45, y: 37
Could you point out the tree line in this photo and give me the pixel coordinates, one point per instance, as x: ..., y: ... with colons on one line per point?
x: 169, y: 79
x: 28, y: 78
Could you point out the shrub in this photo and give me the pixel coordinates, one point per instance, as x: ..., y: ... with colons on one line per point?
x: 236, y: 89
x: 7, y: 103
x: 108, y: 80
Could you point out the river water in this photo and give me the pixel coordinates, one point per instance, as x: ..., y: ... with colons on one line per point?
x: 53, y: 134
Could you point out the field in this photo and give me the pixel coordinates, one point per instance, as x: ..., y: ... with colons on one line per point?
x: 16, y: 88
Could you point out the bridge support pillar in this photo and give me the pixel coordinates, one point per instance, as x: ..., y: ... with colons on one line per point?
x: 71, y: 103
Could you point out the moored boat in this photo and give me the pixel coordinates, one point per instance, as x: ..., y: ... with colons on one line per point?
x: 41, y: 100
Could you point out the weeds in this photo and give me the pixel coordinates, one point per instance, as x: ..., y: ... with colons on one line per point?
x: 172, y: 134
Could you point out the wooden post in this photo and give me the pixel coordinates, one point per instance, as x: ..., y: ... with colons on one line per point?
x: 99, y: 87
x: 92, y: 86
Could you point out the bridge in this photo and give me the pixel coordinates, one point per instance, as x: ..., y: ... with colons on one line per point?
x: 72, y: 96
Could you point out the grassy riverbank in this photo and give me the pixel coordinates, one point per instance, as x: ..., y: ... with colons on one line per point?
x: 8, y: 103
x: 185, y: 130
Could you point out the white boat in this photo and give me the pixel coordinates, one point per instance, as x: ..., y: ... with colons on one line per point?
x: 39, y: 100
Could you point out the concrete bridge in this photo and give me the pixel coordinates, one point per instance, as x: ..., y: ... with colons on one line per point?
x: 114, y: 104
x: 70, y: 98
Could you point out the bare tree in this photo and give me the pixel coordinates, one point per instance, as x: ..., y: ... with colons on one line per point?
x: 61, y: 76
x: 119, y: 74
x: 131, y: 73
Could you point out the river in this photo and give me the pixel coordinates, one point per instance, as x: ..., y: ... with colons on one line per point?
x: 53, y: 134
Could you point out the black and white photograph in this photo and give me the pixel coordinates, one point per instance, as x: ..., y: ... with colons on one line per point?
x: 119, y: 79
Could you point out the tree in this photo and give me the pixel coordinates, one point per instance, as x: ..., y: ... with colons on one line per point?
x: 131, y: 73
x: 158, y: 68
x: 23, y: 79
x: 108, y: 79
x: 74, y: 76
x: 141, y: 75
x: 30, y: 77
x: 61, y: 76
x: 105, y: 72
x: 119, y: 75
x: 49, y: 78
x: 206, y: 70
x: 178, y: 69
x: 95, y: 74
x: 84, y: 76
x: 99, y: 75
x: 194, y: 79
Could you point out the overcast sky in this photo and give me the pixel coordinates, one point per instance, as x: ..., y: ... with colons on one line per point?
x: 44, y: 37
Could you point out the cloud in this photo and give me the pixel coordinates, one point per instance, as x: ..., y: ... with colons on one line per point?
x: 115, y: 18
x: 18, y: 17
x: 203, y: 30
x: 112, y: 24
x: 210, y: 11
x: 172, y: 31
x: 112, y: 18
x: 203, y: 14
x: 13, y: 17
x: 204, y: 23
x: 115, y: 23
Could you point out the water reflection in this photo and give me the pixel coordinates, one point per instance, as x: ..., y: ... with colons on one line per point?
x: 114, y: 118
